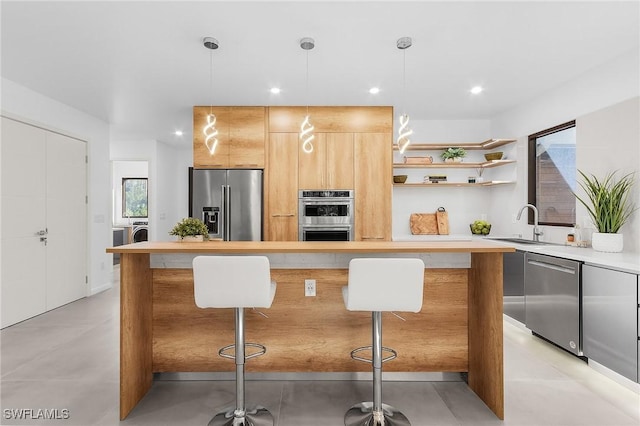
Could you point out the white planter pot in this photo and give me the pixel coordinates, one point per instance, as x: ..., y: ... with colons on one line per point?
x: 609, y: 243
x: 192, y: 239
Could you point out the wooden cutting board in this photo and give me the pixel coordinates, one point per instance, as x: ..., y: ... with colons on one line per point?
x: 423, y: 224
x: 442, y: 217
x: 430, y: 223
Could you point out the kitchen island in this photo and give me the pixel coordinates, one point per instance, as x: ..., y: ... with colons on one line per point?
x: 458, y: 330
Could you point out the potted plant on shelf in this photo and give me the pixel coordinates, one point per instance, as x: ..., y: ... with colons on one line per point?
x: 190, y: 229
x: 450, y: 155
x: 609, y: 206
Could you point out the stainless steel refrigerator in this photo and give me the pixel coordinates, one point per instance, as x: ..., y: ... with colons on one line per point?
x: 229, y: 202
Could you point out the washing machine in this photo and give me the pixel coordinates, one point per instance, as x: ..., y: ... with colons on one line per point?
x: 140, y: 232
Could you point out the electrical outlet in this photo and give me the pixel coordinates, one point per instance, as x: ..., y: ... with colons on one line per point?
x: 310, y: 288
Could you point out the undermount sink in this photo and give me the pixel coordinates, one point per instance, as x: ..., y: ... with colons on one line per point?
x: 524, y: 241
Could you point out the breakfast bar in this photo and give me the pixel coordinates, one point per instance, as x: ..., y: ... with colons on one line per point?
x: 458, y: 330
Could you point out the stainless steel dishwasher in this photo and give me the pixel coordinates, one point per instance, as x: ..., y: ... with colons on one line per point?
x: 553, y: 300
x: 513, y: 285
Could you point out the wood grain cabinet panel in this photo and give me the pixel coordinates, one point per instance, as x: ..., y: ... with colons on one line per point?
x: 241, y: 137
x: 247, y: 134
x: 373, y: 185
x: 282, y: 188
x: 332, y: 119
x: 330, y: 165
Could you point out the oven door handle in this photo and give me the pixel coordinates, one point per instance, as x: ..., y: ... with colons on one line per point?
x: 325, y: 202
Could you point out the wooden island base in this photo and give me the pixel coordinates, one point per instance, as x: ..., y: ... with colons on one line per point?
x: 458, y: 330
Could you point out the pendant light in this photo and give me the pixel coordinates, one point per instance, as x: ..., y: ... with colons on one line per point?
x: 404, y: 131
x: 209, y: 130
x: 306, y: 128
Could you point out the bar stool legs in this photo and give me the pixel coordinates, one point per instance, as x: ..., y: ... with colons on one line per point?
x: 375, y: 413
x: 240, y: 415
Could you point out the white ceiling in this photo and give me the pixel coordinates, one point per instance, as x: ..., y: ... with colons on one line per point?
x: 141, y: 66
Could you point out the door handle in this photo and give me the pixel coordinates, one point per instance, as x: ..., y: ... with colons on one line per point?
x: 42, y: 232
x: 43, y: 240
x: 558, y: 268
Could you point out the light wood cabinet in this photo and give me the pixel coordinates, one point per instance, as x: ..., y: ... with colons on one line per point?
x: 330, y: 165
x: 373, y: 186
x: 281, y: 196
x: 352, y: 150
x: 241, y: 137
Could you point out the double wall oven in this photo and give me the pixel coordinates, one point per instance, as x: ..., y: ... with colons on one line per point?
x: 325, y: 215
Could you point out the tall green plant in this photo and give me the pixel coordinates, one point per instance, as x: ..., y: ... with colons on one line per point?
x: 609, y: 205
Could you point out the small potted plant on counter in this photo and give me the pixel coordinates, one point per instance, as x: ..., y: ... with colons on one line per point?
x: 190, y: 229
x: 451, y: 155
x: 609, y: 206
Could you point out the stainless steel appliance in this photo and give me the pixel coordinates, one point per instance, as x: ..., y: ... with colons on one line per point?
x: 513, y: 285
x: 325, y: 215
x: 140, y: 232
x: 610, y: 309
x: 553, y: 307
x: 229, y: 202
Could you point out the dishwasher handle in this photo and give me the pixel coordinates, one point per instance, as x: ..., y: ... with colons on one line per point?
x: 559, y: 268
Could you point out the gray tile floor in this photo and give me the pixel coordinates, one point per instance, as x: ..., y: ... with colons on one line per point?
x: 67, y: 359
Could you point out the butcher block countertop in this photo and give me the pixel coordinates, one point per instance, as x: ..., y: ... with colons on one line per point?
x: 238, y: 247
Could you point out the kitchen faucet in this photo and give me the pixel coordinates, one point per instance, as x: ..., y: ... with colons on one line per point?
x: 536, y: 229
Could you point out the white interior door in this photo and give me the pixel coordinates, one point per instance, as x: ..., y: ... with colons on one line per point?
x: 23, y: 286
x: 66, y: 210
x: 44, y: 221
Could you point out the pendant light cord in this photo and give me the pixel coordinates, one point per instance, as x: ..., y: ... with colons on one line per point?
x: 404, y: 81
x: 211, y: 80
x: 307, y: 82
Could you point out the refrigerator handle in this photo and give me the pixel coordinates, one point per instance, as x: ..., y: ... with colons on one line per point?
x: 227, y: 219
x: 223, y: 212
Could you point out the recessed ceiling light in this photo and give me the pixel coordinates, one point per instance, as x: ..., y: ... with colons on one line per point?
x: 178, y: 133
x: 275, y: 90
x: 476, y: 89
x: 374, y: 90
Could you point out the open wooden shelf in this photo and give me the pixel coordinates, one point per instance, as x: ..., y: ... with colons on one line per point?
x: 461, y: 165
x: 422, y: 185
x: 488, y: 144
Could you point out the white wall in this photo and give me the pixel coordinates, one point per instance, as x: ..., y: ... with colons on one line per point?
x: 608, y: 140
x: 168, y: 181
x: 173, y: 187
x: 32, y: 107
x: 578, y: 99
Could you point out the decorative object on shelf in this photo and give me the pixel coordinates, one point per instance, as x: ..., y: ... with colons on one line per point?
x: 306, y: 128
x: 404, y: 131
x: 480, y: 171
x: 400, y: 179
x: 492, y: 156
x: 418, y: 160
x: 190, y: 227
x: 609, y: 206
x: 453, y: 154
x: 471, y: 179
x: 209, y: 130
x: 435, y: 178
x: 480, y: 227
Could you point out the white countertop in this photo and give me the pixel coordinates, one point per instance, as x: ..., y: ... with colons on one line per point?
x: 625, y: 261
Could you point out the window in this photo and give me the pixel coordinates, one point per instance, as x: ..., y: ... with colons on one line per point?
x: 134, y: 197
x: 552, y: 175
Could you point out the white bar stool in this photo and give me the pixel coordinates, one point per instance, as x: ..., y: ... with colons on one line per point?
x: 236, y: 282
x: 378, y: 285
